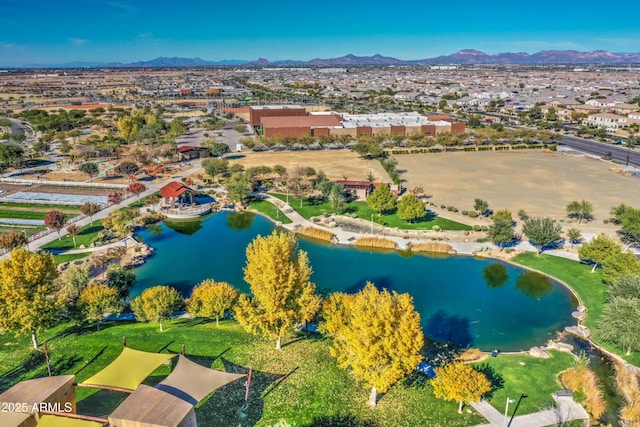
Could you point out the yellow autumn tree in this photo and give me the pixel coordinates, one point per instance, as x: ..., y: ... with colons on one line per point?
x: 96, y: 300
x: 282, y: 294
x: 375, y: 334
x: 28, y: 288
x: 459, y: 382
x: 128, y: 127
x: 212, y: 299
x: 156, y: 304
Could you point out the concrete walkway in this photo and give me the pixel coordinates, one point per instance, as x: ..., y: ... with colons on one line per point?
x: 565, y: 410
x: 125, y: 242
x: 348, y: 237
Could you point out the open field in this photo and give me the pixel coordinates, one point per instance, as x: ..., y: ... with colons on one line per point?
x: 336, y: 164
x: 542, y: 183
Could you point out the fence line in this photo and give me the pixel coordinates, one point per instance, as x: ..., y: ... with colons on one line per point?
x: 62, y: 183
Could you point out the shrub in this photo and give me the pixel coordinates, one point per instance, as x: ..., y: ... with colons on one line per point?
x: 484, y: 228
x: 471, y: 355
x: 442, y: 248
x: 465, y: 213
x: 584, y: 381
x: 375, y: 242
x: 473, y: 214
x: 316, y: 233
x: 476, y: 228
x: 443, y: 206
x: 436, y: 228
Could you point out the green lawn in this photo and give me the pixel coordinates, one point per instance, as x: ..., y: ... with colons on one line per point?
x: 41, y: 206
x: 88, y: 235
x: 523, y: 374
x: 28, y: 214
x: 589, y: 287
x: 362, y: 210
x: 269, y: 210
x: 59, y: 259
x: 300, y: 384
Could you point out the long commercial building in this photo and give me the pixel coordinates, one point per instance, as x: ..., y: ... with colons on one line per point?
x: 355, y: 125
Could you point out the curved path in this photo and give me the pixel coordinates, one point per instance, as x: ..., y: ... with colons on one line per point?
x: 347, y: 237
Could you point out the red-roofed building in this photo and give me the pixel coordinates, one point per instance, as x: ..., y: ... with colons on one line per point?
x: 177, y: 192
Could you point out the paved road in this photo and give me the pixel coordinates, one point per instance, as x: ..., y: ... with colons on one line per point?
x: 600, y: 149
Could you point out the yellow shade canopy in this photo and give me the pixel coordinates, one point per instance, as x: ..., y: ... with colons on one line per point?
x: 128, y: 370
x: 59, y: 421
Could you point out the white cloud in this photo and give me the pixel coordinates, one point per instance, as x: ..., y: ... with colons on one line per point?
x: 77, y: 41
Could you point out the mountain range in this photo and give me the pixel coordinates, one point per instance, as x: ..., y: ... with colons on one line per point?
x: 462, y: 57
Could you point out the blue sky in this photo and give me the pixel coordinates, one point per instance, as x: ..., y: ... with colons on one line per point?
x: 60, y: 31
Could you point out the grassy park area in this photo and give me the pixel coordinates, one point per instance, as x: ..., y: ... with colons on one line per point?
x: 522, y: 374
x: 59, y: 259
x: 312, y: 207
x: 88, y: 235
x: 300, y: 384
x: 269, y: 210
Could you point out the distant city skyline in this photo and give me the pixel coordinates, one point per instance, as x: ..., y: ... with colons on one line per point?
x: 40, y: 32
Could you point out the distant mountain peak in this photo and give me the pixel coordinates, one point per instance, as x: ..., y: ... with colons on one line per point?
x: 462, y: 57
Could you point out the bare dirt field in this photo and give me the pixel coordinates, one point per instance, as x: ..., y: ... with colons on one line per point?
x: 542, y: 183
x: 336, y: 164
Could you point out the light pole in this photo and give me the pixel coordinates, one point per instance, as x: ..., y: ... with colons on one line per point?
x: 522, y: 396
x: 506, y: 409
x: 371, y: 225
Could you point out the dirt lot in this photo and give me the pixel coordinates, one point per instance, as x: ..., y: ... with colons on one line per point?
x: 541, y: 183
x: 335, y: 163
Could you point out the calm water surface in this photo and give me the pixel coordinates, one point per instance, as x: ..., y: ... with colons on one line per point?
x: 465, y: 300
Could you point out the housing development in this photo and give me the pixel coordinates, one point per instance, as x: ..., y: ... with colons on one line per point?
x: 333, y: 243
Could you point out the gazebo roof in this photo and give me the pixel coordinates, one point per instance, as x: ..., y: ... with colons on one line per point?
x: 128, y: 370
x: 174, y: 189
x: 192, y: 382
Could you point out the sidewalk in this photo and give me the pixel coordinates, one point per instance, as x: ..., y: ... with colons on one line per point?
x: 566, y: 410
x: 347, y: 237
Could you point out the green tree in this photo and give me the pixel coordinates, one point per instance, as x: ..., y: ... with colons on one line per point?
x: 156, y: 304
x: 380, y: 345
x: 96, y: 300
x: 460, y: 383
x: 212, y: 299
x: 620, y: 264
x: 121, y: 280
x: 503, y: 215
x: 502, y: 231
x: 629, y: 219
x: 582, y: 210
x: 481, y: 206
x: 127, y: 168
x: 598, y: 250
x: 55, y: 219
x: 337, y: 198
x: 90, y: 168
x: 410, y: 207
x: 28, y: 293
x: 541, y: 232
x: 627, y: 286
x: 620, y: 323
x: 215, y: 167
x: 382, y: 199
x: 216, y: 149
x: 368, y: 149
x: 238, y: 188
x: 522, y: 215
x: 282, y: 294
x: 121, y: 221
x: 574, y: 235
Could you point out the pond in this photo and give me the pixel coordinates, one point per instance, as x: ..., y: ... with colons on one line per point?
x: 464, y: 300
